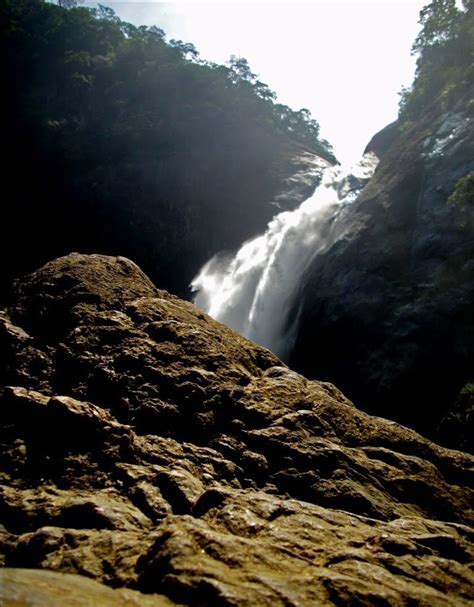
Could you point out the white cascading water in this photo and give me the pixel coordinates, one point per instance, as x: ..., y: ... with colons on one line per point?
x: 254, y: 290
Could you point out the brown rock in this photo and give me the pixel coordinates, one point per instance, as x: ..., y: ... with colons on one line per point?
x: 156, y: 449
x: 33, y: 588
x: 256, y: 550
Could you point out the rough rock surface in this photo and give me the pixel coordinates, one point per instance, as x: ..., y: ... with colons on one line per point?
x: 154, y: 450
x: 40, y: 588
x: 387, y: 311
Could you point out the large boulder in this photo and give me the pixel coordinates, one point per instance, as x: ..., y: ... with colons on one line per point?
x: 149, y: 447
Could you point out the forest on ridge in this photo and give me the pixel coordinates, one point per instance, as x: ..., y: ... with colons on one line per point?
x: 121, y: 141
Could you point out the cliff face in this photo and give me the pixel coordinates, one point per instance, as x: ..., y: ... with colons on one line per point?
x: 387, y: 311
x: 156, y: 451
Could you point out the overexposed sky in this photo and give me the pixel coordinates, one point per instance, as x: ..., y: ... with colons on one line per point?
x: 345, y: 60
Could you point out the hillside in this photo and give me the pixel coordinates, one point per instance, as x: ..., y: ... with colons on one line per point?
x: 122, y: 142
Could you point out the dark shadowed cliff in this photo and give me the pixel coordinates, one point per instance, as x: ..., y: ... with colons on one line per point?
x: 387, y: 312
x: 151, y: 449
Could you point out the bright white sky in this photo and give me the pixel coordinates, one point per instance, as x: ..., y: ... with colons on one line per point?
x: 345, y: 60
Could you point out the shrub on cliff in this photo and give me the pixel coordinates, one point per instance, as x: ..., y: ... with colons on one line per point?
x: 457, y: 427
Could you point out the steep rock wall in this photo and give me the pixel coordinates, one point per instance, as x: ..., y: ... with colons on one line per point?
x: 387, y: 312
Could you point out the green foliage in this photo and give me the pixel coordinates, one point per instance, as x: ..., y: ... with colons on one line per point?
x: 445, y: 64
x: 463, y: 193
x: 80, y: 42
x: 440, y: 23
x: 462, y: 201
x: 457, y: 427
x: 467, y: 393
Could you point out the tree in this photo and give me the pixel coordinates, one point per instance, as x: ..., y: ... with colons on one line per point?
x: 264, y: 91
x: 157, y: 32
x: 444, y: 68
x: 187, y: 49
x: 106, y: 13
x: 440, y: 21
x: 240, y: 69
x: 69, y: 3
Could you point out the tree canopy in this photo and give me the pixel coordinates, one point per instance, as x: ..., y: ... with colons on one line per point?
x: 440, y: 22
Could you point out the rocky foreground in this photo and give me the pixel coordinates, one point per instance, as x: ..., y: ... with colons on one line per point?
x: 172, y: 462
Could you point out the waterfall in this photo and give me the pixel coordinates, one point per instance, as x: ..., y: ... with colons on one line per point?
x: 254, y: 290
